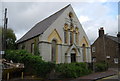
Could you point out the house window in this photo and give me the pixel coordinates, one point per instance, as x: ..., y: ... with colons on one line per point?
x: 116, y: 60
x: 108, y: 57
x: 32, y: 48
x: 93, y: 49
x: 23, y: 46
x: 54, y: 46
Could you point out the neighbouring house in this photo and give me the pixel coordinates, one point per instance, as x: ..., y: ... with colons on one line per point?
x: 105, y: 48
x: 60, y: 38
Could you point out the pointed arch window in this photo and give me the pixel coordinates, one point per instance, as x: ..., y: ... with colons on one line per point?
x: 76, y: 35
x: 66, y: 33
x: 71, y: 35
x: 54, y: 50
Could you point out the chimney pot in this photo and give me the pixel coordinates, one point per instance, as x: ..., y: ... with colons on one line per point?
x: 101, y: 32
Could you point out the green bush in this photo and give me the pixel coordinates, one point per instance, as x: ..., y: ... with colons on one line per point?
x: 72, y: 70
x: 33, y: 64
x: 101, y: 66
x: 36, y: 66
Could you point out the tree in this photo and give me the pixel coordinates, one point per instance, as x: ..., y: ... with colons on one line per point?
x: 10, y: 39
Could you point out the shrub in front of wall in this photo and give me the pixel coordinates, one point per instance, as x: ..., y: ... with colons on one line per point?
x: 44, y: 68
x: 101, y: 66
x: 72, y: 70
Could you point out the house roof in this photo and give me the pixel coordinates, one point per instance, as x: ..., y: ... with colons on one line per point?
x: 40, y: 27
x: 113, y: 38
x: 109, y: 37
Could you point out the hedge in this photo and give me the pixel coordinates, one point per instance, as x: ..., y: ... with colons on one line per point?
x: 72, y: 70
x: 101, y: 66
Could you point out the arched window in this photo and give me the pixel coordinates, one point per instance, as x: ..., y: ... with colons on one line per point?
x: 54, y: 50
x: 70, y: 15
x: 76, y: 35
x: 65, y: 36
x: 66, y: 33
x: 71, y: 35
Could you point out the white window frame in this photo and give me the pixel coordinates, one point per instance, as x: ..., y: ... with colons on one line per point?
x: 93, y: 49
x: 107, y: 57
x: 116, y: 60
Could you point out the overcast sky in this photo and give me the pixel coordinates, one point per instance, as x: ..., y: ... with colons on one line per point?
x: 92, y: 15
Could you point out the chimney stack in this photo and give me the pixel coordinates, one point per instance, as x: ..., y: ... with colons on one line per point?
x: 101, y: 32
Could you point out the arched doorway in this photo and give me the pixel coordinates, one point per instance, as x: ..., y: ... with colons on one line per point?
x: 73, y: 55
x: 54, y: 50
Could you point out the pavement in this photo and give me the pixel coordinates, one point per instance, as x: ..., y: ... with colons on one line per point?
x: 96, y: 76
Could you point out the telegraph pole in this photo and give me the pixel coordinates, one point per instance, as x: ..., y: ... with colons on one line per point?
x: 5, y: 30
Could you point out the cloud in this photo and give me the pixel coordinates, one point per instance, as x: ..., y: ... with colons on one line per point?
x: 93, y: 16
x: 84, y: 19
x: 24, y: 15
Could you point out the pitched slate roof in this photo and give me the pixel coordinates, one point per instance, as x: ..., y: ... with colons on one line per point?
x: 113, y: 38
x: 40, y: 27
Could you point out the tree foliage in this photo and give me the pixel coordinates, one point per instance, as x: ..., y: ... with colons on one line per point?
x: 10, y: 39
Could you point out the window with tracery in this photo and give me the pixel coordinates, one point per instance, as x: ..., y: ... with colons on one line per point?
x: 71, y: 35
x: 66, y: 33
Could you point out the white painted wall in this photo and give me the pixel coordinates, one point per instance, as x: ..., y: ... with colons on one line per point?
x: 45, y: 49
